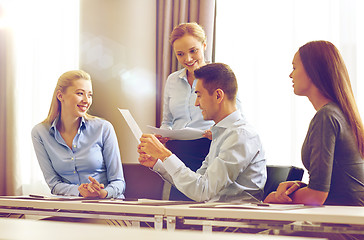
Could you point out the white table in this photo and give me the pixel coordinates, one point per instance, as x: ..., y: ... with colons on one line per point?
x: 17, y: 229
x: 134, y: 212
x: 336, y: 219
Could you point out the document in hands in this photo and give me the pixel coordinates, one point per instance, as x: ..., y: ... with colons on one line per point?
x: 179, y: 134
x: 132, y: 124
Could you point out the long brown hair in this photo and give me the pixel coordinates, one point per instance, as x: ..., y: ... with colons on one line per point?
x: 64, y: 81
x: 326, y: 68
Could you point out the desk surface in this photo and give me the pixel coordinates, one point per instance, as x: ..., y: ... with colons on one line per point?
x: 155, y: 211
x: 107, y: 206
x: 39, y: 230
x: 324, y: 214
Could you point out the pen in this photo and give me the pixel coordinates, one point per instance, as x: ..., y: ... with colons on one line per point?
x: 263, y: 204
x: 36, y: 196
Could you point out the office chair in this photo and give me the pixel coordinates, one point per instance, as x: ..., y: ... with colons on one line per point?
x: 277, y: 174
x: 141, y: 182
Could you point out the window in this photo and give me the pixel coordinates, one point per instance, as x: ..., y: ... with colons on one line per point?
x: 45, y: 43
x: 258, y: 39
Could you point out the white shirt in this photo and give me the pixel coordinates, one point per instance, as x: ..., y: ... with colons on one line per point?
x: 235, y: 164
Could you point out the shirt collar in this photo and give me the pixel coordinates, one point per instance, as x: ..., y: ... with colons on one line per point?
x: 229, y: 120
x: 183, y: 74
x: 53, y: 127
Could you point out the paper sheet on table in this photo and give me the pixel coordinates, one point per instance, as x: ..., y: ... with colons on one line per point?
x: 132, y: 124
x: 179, y: 134
x: 263, y: 206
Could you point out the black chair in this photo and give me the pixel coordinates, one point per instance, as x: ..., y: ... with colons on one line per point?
x: 141, y: 182
x: 277, y: 174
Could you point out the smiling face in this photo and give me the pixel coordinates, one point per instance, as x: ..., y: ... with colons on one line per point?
x: 206, y: 102
x: 302, y: 83
x: 76, y: 99
x: 190, y: 52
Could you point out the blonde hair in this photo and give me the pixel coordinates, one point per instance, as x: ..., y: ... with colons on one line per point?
x: 326, y: 68
x: 64, y: 81
x: 192, y: 29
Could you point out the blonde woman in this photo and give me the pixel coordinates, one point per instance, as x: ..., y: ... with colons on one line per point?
x: 78, y: 153
x: 188, y: 41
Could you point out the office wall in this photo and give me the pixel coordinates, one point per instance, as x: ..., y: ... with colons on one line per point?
x: 117, y: 47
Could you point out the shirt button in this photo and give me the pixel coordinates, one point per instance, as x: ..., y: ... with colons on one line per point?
x: 74, y: 146
x: 74, y: 171
x: 72, y: 159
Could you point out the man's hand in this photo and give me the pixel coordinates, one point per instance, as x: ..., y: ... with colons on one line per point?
x: 145, y: 159
x: 151, y: 146
x: 163, y: 140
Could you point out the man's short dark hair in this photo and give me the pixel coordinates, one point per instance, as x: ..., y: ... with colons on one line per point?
x: 218, y: 76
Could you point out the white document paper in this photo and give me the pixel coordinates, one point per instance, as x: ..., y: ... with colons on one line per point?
x: 179, y: 134
x: 132, y: 124
x: 262, y: 206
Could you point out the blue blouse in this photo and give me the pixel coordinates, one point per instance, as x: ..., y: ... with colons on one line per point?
x: 95, y: 152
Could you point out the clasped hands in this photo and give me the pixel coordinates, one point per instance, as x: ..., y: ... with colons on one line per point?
x: 92, y: 189
x: 283, y: 192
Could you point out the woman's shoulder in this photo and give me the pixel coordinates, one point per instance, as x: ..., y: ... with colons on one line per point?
x: 329, y: 116
x: 40, y: 128
x: 330, y: 111
x: 98, y: 122
x: 176, y: 75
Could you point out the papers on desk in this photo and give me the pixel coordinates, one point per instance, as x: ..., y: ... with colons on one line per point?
x: 46, y: 198
x: 140, y: 202
x: 179, y: 134
x: 256, y: 206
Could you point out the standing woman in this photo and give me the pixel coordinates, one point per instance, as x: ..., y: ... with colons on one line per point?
x: 78, y: 153
x: 333, y: 151
x: 179, y: 111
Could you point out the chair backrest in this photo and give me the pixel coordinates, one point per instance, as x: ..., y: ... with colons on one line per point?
x: 141, y: 182
x: 277, y: 174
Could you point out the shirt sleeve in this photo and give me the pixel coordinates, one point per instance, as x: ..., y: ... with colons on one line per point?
x: 111, y: 154
x: 321, y: 148
x: 56, y: 183
x: 167, y: 120
x: 216, y: 174
x: 159, y: 168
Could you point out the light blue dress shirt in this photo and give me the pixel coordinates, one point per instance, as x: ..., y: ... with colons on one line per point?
x: 179, y: 110
x: 235, y: 165
x: 95, y: 153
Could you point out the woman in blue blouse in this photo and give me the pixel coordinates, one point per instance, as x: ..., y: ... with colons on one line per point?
x: 78, y: 153
x: 179, y: 111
